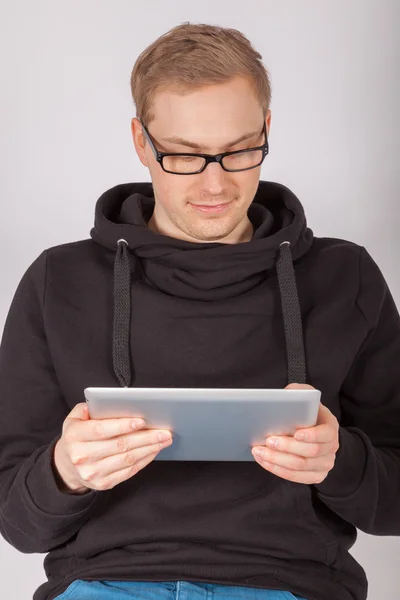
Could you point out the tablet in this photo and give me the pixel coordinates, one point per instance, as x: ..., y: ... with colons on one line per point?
x: 209, y: 424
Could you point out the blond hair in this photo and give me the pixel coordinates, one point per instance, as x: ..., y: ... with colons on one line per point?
x: 190, y: 56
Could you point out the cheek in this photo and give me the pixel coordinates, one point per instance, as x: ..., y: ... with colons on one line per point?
x: 172, y: 196
x: 176, y: 191
x: 250, y: 179
x: 249, y: 183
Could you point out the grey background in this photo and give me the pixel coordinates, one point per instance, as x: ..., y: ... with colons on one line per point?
x: 65, y: 111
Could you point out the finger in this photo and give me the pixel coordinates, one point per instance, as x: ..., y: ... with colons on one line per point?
x: 307, y: 477
x: 292, y: 461
x: 325, y: 429
x: 126, y: 473
x: 90, y: 451
x: 299, y: 386
x: 80, y: 411
x: 103, y: 429
x: 317, y: 434
x: 111, y: 464
x: 292, y: 446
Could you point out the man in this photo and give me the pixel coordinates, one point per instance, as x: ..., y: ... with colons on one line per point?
x: 206, y: 277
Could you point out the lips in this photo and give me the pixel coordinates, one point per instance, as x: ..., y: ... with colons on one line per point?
x: 211, y: 205
x: 212, y: 208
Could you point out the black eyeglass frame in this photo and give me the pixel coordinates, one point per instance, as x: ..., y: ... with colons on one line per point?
x: 209, y: 157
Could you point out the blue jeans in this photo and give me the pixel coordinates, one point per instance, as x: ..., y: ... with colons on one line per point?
x: 168, y: 590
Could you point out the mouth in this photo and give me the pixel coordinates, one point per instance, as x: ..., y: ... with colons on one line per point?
x: 211, y: 208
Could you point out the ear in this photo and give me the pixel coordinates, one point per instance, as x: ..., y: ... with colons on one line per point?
x: 138, y: 140
x: 268, y: 122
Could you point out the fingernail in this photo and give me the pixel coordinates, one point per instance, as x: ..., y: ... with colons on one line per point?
x: 167, y: 442
x: 273, y: 442
x: 137, y: 423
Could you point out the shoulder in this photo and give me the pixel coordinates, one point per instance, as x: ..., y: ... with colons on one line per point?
x: 333, y: 255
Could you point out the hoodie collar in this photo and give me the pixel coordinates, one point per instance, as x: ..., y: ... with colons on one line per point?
x: 203, y: 271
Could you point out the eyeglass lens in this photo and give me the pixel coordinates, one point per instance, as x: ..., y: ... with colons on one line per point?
x: 233, y: 162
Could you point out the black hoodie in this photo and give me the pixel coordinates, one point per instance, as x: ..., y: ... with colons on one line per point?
x: 133, y: 307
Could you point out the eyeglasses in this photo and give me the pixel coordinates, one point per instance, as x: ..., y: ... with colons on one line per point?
x: 189, y: 164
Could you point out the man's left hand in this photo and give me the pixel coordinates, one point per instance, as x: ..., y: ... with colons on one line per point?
x: 307, y: 461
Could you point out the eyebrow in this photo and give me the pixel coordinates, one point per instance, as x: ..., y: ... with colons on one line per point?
x: 182, y: 142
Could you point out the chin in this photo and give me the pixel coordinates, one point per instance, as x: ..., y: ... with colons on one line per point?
x: 212, y: 234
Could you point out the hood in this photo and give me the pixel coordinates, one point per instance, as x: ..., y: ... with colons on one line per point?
x: 203, y: 271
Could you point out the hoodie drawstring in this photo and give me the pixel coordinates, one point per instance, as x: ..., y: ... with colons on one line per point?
x: 291, y: 315
x: 289, y: 301
x: 122, y: 315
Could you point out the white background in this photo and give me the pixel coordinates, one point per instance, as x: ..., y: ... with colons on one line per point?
x: 65, y: 112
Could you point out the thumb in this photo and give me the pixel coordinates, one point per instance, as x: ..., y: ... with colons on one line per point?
x: 80, y: 411
x: 300, y: 386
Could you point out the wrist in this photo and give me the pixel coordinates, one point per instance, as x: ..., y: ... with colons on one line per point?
x: 65, y: 482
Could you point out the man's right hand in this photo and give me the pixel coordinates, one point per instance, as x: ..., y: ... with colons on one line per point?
x: 99, y: 454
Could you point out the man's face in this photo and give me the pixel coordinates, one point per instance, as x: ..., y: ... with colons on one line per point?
x: 210, y: 117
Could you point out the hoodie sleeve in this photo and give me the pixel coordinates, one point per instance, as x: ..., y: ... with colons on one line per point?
x: 364, y: 485
x: 35, y: 515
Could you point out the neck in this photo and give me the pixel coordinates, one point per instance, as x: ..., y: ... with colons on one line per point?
x: 245, y: 237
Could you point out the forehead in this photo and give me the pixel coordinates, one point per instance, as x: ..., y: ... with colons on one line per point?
x: 210, y: 116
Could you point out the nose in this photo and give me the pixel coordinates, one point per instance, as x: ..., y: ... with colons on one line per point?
x: 214, y: 178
